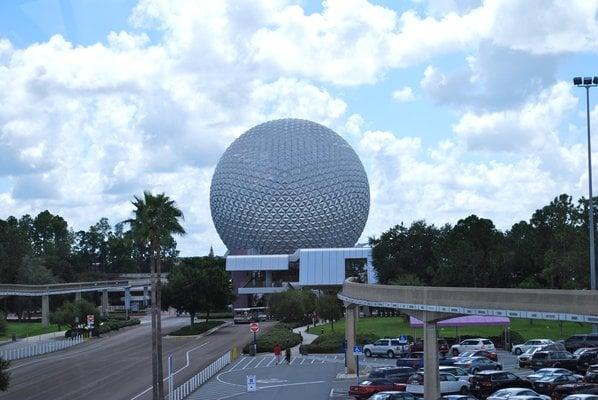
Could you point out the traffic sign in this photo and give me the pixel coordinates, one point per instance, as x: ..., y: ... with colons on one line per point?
x: 90, y: 320
x: 254, y: 327
x: 251, y: 383
x: 402, y: 339
x: 357, y: 350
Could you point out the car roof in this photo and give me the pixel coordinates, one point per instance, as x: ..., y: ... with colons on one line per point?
x: 488, y: 372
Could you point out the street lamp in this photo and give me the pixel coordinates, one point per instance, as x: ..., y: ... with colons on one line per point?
x: 587, y: 83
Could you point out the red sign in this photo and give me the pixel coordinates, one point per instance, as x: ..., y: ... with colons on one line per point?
x: 90, y: 319
x: 254, y: 327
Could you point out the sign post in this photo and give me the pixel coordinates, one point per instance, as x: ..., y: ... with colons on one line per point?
x: 254, y: 327
x: 170, y: 380
x: 90, y: 323
x: 403, y: 342
x: 251, y: 383
x: 357, y: 351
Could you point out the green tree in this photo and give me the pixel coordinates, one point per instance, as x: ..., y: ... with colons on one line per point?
x: 4, y: 374
x: 3, y: 324
x: 292, y: 305
x: 73, y: 313
x: 156, y: 219
x: 329, y: 307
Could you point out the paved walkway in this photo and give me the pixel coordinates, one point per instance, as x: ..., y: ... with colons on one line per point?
x: 307, y: 338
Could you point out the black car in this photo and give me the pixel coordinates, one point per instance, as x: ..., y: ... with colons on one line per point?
x: 486, y: 382
x: 560, y: 392
x: 395, y: 374
x: 547, y: 384
x: 577, y: 341
x: 587, y: 358
x: 553, y: 359
x: 591, y: 374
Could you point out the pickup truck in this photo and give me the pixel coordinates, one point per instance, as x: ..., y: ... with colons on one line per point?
x: 414, y: 360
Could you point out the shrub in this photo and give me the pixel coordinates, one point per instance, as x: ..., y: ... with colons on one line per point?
x: 279, y: 333
x: 332, y: 342
x: 197, y: 328
x: 113, y: 324
x: 3, y: 325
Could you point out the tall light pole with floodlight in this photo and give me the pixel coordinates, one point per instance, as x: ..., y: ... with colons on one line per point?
x: 587, y: 83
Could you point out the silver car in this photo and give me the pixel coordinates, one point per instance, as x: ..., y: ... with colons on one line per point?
x: 509, y: 393
x: 522, y: 348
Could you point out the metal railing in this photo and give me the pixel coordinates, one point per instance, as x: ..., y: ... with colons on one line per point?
x: 59, y: 288
x: 39, y: 348
x: 184, y: 390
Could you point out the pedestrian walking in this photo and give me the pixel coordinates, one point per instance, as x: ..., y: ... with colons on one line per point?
x: 287, y: 355
x: 277, y: 352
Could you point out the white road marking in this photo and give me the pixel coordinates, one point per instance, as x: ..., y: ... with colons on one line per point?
x: 293, y: 360
x: 302, y: 361
x: 262, y: 360
x: 290, y: 384
x: 249, y: 363
x: 174, y: 373
x: 271, y: 361
x: 313, y: 360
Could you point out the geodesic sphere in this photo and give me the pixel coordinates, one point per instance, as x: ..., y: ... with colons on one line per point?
x: 289, y: 184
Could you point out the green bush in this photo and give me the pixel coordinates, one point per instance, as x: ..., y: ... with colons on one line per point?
x: 197, y: 328
x: 279, y: 333
x: 332, y: 342
x: 3, y: 325
x: 109, y: 324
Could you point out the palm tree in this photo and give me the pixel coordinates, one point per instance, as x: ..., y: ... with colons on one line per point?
x: 155, y: 217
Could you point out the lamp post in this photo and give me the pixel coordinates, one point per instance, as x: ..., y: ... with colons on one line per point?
x: 587, y: 83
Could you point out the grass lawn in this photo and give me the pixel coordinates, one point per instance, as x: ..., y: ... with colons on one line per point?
x: 25, y: 329
x: 396, y: 326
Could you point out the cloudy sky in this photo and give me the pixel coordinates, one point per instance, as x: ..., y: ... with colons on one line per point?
x: 455, y: 107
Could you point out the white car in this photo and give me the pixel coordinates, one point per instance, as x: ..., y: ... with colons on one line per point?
x: 472, y: 344
x: 459, y: 373
x: 448, y: 384
x: 522, y: 348
x: 511, y: 393
x: 389, y: 347
x: 581, y: 397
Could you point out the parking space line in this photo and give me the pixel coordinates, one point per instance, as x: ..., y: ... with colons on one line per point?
x: 249, y: 363
x: 271, y: 361
x: 237, y: 364
x: 313, y: 360
x: 302, y: 361
x: 293, y: 360
x: 262, y: 360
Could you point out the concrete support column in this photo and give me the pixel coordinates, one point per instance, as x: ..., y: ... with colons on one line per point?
x: 104, y: 309
x: 268, y: 279
x: 431, y: 376
x: 145, y: 296
x: 350, y: 332
x: 127, y: 301
x: 77, y: 296
x: 45, y: 310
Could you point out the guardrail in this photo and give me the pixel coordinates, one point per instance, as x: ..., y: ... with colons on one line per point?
x: 58, y: 288
x: 39, y: 348
x: 200, y: 378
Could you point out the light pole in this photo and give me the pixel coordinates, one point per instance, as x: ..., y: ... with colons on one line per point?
x: 587, y: 83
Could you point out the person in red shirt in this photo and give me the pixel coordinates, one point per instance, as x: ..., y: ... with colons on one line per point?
x: 277, y: 352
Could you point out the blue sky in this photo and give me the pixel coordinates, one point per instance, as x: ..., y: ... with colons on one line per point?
x: 455, y: 107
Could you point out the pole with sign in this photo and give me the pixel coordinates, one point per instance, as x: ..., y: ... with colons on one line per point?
x: 254, y: 327
x: 170, y: 378
x: 357, y: 351
x: 251, y: 383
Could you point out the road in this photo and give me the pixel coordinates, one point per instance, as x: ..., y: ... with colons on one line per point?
x: 117, y: 366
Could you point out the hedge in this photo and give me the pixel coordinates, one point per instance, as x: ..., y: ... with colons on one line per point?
x: 114, y: 325
x: 197, y: 328
x: 332, y: 342
x: 280, y: 333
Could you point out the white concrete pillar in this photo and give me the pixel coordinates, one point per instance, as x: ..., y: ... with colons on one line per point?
x: 104, y: 309
x: 45, y: 310
x: 431, y: 376
x: 145, y: 296
x: 268, y: 279
x: 77, y: 296
x: 127, y: 301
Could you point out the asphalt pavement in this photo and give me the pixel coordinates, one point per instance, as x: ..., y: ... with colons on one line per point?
x: 118, y: 365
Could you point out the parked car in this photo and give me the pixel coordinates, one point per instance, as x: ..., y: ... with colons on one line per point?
x: 525, y: 359
x: 555, y: 359
x: 530, y: 344
x: 474, y: 365
x: 582, y: 397
x: 526, y: 398
x: 413, y: 360
x: 587, y: 358
x: 371, y: 386
x: 548, y: 383
x: 460, y: 373
x: 448, y: 384
x: 416, y: 346
x: 574, y: 342
x: 389, y: 347
x: 472, y: 344
x: 541, y: 373
x: 395, y: 374
x: 393, y: 396
x: 504, y: 394
x: 486, y: 382
x: 591, y: 374
x: 459, y: 397
x: 560, y: 392
x: 491, y: 355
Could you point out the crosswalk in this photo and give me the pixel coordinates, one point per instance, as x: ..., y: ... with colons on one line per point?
x: 247, y: 362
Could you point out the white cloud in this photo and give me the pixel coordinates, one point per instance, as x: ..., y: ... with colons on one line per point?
x: 403, y: 95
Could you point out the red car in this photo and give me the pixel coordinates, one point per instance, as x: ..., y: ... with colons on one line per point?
x: 367, y: 388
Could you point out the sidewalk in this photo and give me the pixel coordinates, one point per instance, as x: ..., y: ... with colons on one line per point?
x: 307, y: 337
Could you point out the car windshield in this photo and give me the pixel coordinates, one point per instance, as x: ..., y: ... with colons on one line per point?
x: 531, y: 350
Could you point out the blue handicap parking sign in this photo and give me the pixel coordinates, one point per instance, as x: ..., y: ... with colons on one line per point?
x: 403, y: 339
x: 357, y: 350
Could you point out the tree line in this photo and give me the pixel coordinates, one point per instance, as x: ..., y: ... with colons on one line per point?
x: 550, y: 250
x: 44, y: 249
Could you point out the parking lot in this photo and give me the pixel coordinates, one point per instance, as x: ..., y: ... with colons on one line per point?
x: 315, y: 375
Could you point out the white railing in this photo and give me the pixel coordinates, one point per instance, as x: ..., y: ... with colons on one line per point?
x: 200, y: 378
x: 39, y: 348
